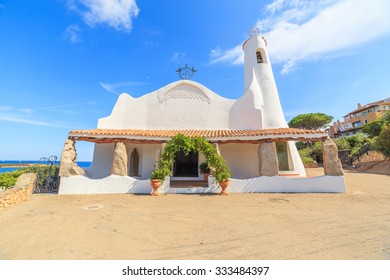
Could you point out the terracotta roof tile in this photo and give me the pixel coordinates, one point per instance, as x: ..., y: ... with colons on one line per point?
x: 219, y: 135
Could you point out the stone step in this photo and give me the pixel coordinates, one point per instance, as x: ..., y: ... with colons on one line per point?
x: 188, y: 184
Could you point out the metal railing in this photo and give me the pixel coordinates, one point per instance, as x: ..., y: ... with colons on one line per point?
x: 47, y: 180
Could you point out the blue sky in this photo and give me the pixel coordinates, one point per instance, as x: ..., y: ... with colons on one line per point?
x: 63, y: 63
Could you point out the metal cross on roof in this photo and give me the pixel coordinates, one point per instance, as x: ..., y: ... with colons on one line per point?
x: 186, y: 72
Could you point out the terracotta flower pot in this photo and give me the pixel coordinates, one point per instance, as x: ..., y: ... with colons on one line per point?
x: 206, y: 177
x: 155, y: 185
x: 224, y: 184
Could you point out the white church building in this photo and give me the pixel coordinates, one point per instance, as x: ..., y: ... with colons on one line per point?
x: 250, y: 133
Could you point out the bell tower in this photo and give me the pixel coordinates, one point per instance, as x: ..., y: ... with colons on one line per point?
x: 259, y: 82
x: 259, y: 107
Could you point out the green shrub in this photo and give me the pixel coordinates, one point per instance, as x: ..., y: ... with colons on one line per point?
x: 305, y: 155
x: 301, y: 145
x: 342, y: 144
x: 317, y: 151
x: 204, y: 167
x: 381, y: 143
x: 8, y: 179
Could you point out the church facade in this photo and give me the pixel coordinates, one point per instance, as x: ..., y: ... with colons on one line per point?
x: 250, y: 133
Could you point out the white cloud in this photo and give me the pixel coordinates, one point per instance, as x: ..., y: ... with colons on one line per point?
x: 56, y: 108
x: 53, y: 107
x: 178, y: 57
x: 28, y: 116
x: 289, y: 67
x: 72, y: 33
x: 234, y: 55
x: 112, y: 87
x: 4, y: 108
x: 275, y: 6
x: 109, y: 88
x: 27, y: 110
x: 118, y: 14
x: 22, y: 120
x: 308, y: 30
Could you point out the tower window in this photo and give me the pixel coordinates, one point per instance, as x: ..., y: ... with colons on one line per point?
x: 259, y: 57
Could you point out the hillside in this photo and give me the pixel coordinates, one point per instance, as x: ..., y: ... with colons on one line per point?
x: 373, y: 162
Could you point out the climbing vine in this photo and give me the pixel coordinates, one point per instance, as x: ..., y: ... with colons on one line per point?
x: 186, y: 144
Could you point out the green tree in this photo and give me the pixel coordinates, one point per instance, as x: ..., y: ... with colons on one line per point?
x: 379, y: 132
x: 342, y: 143
x: 382, y: 142
x: 310, y: 121
x: 374, y: 128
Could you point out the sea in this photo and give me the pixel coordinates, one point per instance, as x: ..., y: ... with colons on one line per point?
x: 82, y: 164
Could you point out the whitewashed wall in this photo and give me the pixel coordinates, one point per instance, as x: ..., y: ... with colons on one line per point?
x: 102, y: 161
x: 180, y: 105
x: 123, y: 184
x: 242, y: 159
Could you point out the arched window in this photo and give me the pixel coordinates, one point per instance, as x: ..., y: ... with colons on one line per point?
x: 134, y: 163
x: 259, y: 57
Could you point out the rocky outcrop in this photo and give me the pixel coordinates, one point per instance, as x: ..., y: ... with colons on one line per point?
x: 68, y: 165
x: 20, y: 192
x: 332, y: 164
x: 268, y: 163
x: 119, y: 160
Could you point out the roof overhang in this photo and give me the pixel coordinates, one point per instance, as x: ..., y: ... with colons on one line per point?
x: 215, y: 136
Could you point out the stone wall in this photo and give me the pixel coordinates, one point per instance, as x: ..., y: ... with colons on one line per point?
x: 310, y: 165
x: 331, y: 162
x: 268, y: 162
x: 18, y: 193
x: 68, y: 165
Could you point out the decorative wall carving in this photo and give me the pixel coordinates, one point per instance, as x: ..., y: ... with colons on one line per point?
x: 184, y: 91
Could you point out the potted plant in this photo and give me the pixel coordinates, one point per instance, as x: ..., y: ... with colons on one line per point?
x: 205, y: 170
x: 222, y: 177
x: 157, y: 177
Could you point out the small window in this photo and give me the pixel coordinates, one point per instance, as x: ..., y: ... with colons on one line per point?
x: 365, y: 122
x: 259, y: 57
x: 134, y: 163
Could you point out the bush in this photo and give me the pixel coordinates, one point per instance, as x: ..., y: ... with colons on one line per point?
x: 382, y: 142
x: 306, y: 155
x: 342, y: 144
x: 353, y: 143
x: 317, y: 151
x: 379, y: 131
x: 356, y: 142
x: 373, y: 129
x: 204, y: 167
x: 8, y: 179
x: 301, y: 145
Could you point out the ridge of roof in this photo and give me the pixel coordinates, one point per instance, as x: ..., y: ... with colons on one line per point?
x: 369, y: 105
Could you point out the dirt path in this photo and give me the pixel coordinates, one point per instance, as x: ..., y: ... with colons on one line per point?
x: 355, y: 225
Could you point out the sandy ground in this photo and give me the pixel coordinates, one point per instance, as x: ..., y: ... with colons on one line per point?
x: 355, y: 225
